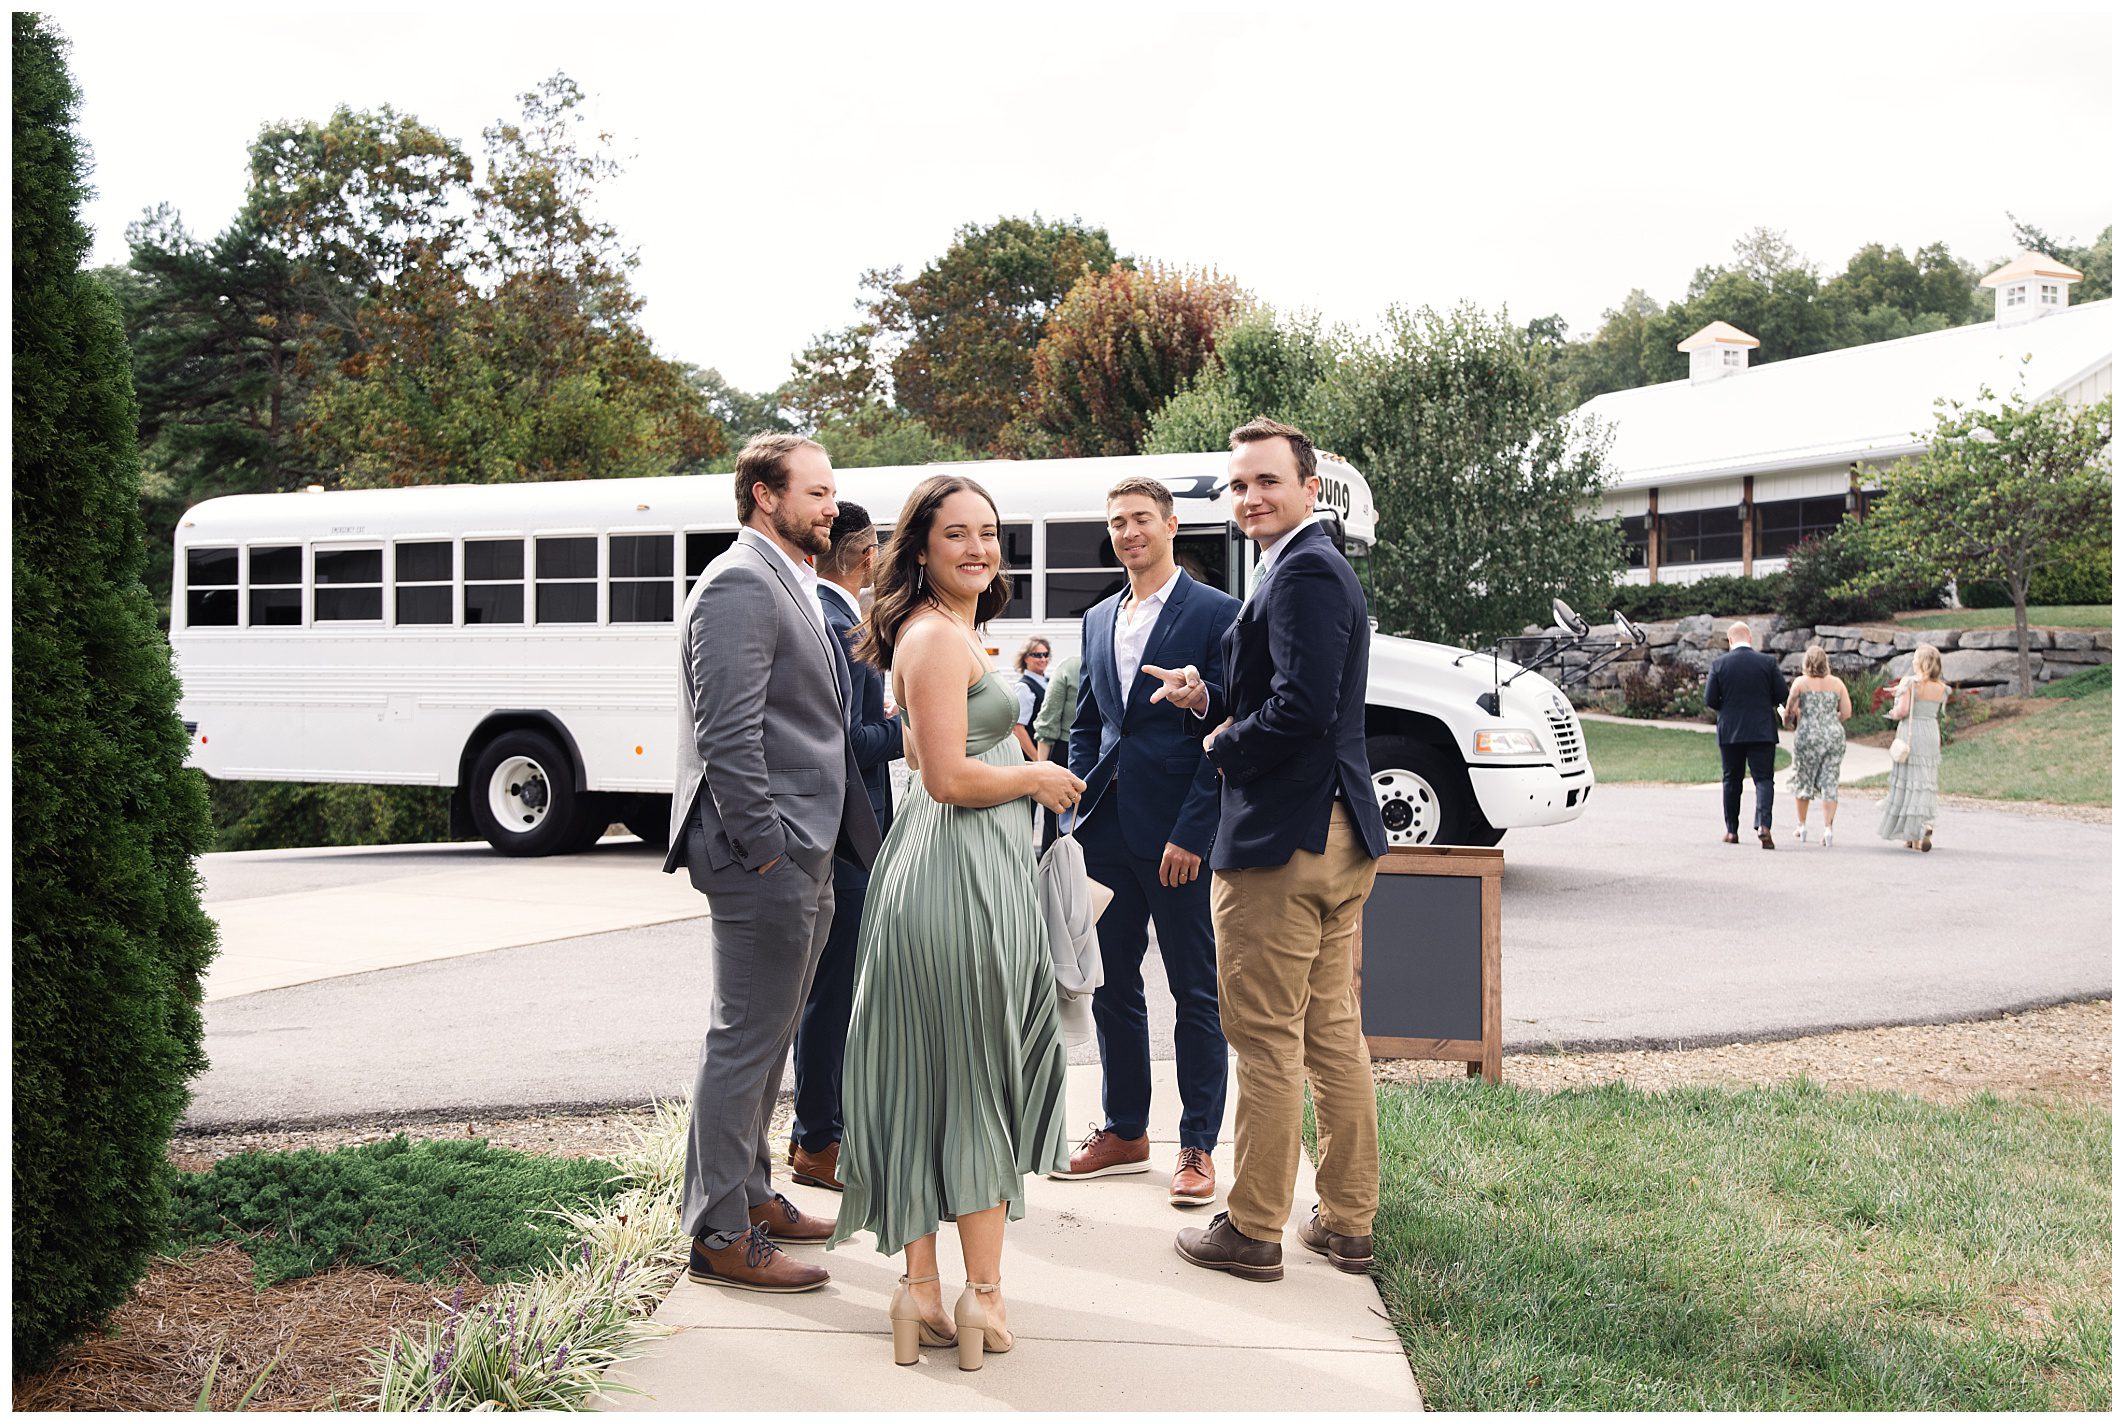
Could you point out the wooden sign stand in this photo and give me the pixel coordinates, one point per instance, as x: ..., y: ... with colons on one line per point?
x: 1484, y: 1054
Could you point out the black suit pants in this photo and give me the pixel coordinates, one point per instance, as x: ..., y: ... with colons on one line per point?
x: 1760, y: 759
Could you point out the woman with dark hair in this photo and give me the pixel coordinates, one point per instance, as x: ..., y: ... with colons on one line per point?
x: 954, y: 1073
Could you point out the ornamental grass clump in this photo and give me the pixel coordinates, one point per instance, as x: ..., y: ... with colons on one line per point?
x: 546, y: 1343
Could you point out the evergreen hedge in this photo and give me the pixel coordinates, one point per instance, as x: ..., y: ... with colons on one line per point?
x: 110, y: 940
x: 1721, y: 596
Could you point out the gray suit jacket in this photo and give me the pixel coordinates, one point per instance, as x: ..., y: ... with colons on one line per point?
x: 764, y: 764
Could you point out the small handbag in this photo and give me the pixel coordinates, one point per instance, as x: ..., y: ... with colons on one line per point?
x: 1899, y: 749
x: 1071, y: 903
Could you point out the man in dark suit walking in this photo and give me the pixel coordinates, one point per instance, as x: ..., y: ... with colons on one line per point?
x: 1149, y: 817
x: 1299, y: 838
x: 1746, y: 688
x: 822, y: 1033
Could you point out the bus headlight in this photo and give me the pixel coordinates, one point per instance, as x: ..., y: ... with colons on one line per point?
x: 1510, y: 742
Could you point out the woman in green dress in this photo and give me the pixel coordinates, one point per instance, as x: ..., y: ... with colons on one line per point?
x: 1819, y: 706
x: 1914, y: 782
x: 954, y: 1075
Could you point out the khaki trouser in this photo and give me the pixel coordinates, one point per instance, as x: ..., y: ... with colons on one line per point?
x: 1288, y: 1001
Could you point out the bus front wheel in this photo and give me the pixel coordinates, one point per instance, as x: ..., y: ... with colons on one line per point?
x: 1423, y: 798
x: 523, y: 796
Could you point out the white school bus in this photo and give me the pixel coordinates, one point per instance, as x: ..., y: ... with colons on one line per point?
x: 518, y: 643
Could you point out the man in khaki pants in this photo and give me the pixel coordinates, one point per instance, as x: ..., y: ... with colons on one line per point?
x: 1298, y: 841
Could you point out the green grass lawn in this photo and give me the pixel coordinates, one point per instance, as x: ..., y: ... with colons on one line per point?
x: 1624, y: 753
x: 1770, y: 1248
x: 2055, y: 615
x: 2056, y: 753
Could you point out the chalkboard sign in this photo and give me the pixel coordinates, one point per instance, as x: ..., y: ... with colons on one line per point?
x: 1428, y: 955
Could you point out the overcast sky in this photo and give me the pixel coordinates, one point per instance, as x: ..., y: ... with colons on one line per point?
x: 1545, y: 160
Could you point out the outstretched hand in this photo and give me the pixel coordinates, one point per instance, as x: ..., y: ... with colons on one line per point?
x: 1183, y: 687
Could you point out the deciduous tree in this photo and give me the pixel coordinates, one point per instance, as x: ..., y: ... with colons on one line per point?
x: 2006, y: 488
x: 1121, y: 344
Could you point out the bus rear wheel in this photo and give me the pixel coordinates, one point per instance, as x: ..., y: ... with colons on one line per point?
x: 523, y: 796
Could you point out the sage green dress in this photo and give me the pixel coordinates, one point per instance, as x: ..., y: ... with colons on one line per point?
x: 952, y: 1085
x: 1914, y: 783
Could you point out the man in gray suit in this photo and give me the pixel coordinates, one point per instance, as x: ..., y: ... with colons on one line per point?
x: 767, y: 794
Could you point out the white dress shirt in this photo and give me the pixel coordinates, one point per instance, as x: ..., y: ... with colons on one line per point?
x: 806, y: 576
x: 848, y: 600
x: 1132, y: 630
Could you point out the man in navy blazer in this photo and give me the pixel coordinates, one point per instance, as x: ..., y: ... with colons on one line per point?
x: 1747, y: 691
x: 822, y: 1032
x: 1299, y: 838
x: 1148, y: 818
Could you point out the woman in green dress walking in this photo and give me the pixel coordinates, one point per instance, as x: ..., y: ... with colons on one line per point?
x: 1914, y: 782
x: 954, y: 1075
x: 1819, y: 706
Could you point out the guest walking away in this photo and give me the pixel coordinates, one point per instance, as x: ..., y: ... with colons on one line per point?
x: 1914, y: 778
x: 1148, y: 821
x: 1298, y: 842
x: 1747, y: 691
x: 1819, y: 706
x: 822, y: 1032
x: 1031, y: 691
x: 767, y: 794
x: 955, y: 1070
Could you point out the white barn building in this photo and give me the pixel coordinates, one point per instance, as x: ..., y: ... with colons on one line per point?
x: 1723, y: 473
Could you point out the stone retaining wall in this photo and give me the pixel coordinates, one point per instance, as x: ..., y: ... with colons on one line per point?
x: 1981, y: 660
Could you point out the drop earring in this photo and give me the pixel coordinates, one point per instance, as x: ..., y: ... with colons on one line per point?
x: 920, y: 577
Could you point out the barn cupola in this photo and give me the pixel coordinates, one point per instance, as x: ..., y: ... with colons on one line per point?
x: 1718, y: 351
x: 2030, y: 286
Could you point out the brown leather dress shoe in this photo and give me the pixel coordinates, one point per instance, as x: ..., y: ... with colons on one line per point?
x: 1103, y: 1154
x: 816, y: 1169
x: 1221, y: 1246
x: 783, y: 1223
x: 1194, y: 1179
x: 1731, y: 838
x: 753, y: 1263
x: 1763, y: 834
x: 1347, y: 1253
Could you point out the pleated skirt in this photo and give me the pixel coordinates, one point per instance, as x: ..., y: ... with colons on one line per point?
x: 954, y: 1075
x: 1913, y: 799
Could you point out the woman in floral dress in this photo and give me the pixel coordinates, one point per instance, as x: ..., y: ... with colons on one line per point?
x: 1819, y: 706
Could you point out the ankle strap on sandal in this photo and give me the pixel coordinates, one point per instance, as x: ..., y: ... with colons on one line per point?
x: 988, y: 1288
x: 916, y: 1280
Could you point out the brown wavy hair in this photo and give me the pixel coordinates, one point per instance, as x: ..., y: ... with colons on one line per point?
x: 898, y: 593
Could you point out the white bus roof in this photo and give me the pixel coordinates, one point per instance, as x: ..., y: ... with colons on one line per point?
x: 1023, y: 490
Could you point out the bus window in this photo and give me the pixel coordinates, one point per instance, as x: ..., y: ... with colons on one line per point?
x: 640, y: 567
x: 703, y: 547
x: 1205, y: 556
x: 1018, y: 563
x: 421, y: 576
x: 494, y: 580
x: 1081, y: 566
x: 349, y: 586
x: 276, y: 586
x: 567, y: 579
x: 210, y: 588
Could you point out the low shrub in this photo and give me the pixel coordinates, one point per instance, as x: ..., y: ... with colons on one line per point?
x: 1872, y: 694
x: 423, y: 1210
x: 1662, y: 690
x: 2082, y: 578
x: 1720, y: 596
x: 1821, y: 563
x: 276, y: 815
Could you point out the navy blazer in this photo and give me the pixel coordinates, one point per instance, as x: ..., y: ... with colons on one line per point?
x: 1166, y: 791
x: 1747, y: 690
x: 1295, y: 667
x: 875, y: 737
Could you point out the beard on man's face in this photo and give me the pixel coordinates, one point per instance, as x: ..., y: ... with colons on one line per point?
x: 811, y: 538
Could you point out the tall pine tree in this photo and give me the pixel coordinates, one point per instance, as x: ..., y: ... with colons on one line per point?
x: 110, y: 941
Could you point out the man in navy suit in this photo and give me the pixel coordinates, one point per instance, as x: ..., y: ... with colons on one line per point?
x: 822, y: 1032
x: 1150, y: 816
x: 1747, y: 691
x: 1299, y: 838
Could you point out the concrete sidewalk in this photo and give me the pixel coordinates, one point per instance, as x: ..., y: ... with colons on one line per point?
x: 1859, y: 761
x: 1107, y: 1316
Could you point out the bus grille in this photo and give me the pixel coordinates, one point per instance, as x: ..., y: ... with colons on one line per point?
x: 1570, y: 743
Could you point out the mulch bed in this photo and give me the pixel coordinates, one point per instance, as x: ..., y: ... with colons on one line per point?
x: 191, y: 1309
